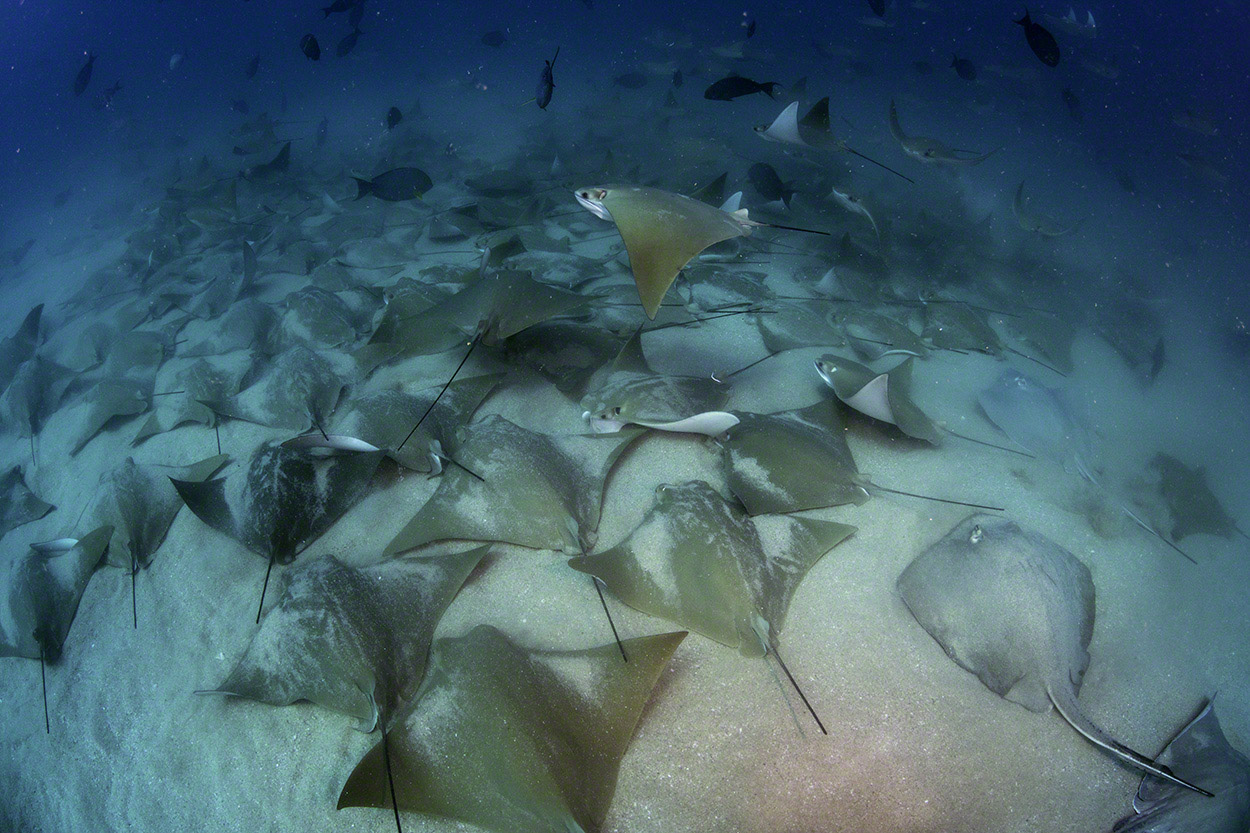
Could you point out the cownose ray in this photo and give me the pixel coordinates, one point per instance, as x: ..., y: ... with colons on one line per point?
x: 351, y: 639
x: 1202, y: 754
x: 663, y: 231
x: 1017, y: 610
x: 930, y: 151
x: 199, y: 382
x: 1190, y: 501
x: 958, y: 326
x: 534, y: 490
x: 42, y: 589
x: 632, y: 393
x: 873, y: 335
x: 384, y: 420
x: 797, y: 460
x: 515, y: 739
x: 697, y: 560
x: 319, y: 318
x: 1035, y: 221
x: 855, y: 205
x: 814, y: 131
x: 565, y: 353
x: 224, y: 290
x: 19, y: 347
x: 33, y: 395
x: 108, y: 400
x: 796, y: 324
x: 784, y: 129
x: 139, y: 503
x: 248, y: 324
x: 1050, y: 335
x: 18, y: 504
x: 297, y: 390
x: 282, y: 501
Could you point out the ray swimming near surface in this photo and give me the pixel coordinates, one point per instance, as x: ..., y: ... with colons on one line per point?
x: 931, y: 151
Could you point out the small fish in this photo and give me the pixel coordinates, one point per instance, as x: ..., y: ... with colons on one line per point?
x: 750, y: 24
x: 393, y: 118
x: 494, y: 39
x: 677, y: 79
x: 964, y: 68
x: 396, y: 185
x: 84, y: 75
x: 735, y: 86
x: 1074, y: 105
x: 631, y: 80
x: 174, y: 60
x: 1041, y: 41
x: 348, y: 43
x: 238, y: 105
x: 110, y: 93
x: 253, y: 64
x: 546, y: 82
x: 309, y: 46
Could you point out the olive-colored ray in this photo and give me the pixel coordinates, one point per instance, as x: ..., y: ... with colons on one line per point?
x: 19, y: 347
x: 1050, y: 335
x: 514, y: 739
x: 931, y: 151
x: 565, y: 353
x: 351, y: 639
x: 34, y: 395
x: 791, y: 461
x: 318, y: 318
x: 139, y: 502
x: 283, y: 500
x: 18, y: 504
x: 662, y: 231
x: 247, y: 325
x: 201, y: 381
x: 956, y: 326
x: 632, y: 393
x: 1017, y: 610
x: 1190, y: 501
x: 535, y: 490
x: 111, y: 398
x: 697, y: 560
x: 299, y: 390
x: 796, y: 324
x: 1035, y: 221
x: 42, y: 591
x: 385, y: 419
x: 406, y: 299
x: 136, y: 355
x: 1201, y: 754
x: 876, y: 335
x: 883, y: 396
x: 224, y: 290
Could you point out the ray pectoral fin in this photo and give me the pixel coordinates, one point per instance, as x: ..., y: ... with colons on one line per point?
x: 1065, y: 703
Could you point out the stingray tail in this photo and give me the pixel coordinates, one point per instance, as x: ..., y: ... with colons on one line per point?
x: 1065, y: 703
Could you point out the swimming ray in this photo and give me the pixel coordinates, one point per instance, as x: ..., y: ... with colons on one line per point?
x: 873, y: 335
x: 785, y: 128
x: 138, y: 502
x: 565, y: 353
x: 1199, y: 753
x: 814, y: 130
x: 1035, y: 221
x: 1190, y: 501
x: 931, y: 151
x: 42, y: 590
x: 1039, y: 419
x: 882, y: 396
x: 533, y: 490
x: 298, y: 390
x: 957, y: 326
x: 19, y: 347
x: 1049, y: 335
x: 18, y: 504
x: 1017, y: 610
x: 632, y: 393
x: 509, y: 738
x: 282, y: 501
x: 797, y: 324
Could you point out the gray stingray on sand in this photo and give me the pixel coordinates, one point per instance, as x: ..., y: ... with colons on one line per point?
x: 1039, y: 419
x: 1201, y: 753
x: 931, y: 151
x: 1017, y: 610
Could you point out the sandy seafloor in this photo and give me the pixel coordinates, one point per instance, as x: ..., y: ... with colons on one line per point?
x: 915, y: 743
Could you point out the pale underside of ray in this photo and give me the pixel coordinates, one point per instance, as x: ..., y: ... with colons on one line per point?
x: 513, y: 739
x: 662, y: 231
x: 283, y: 500
x: 354, y: 640
x: 785, y: 128
x: 1017, y: 610
x: 1035, y: 221
x: 855, y: 206
x: 20, y: 504
x: 792, y: 461
x: 43, y: 591
x: 1202, y: 755
x: 697, y: 560
x: 536, y: 490
x: 882, y: 396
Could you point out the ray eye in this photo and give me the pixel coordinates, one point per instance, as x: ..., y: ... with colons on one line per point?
x: 616, y: 410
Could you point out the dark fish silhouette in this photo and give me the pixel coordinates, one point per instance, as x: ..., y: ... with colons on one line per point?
x: 396, y: 185
x: 964, y: 68
x: 356, y: 14
x: 393, y: 118
x: 1074, y: 104
x: 765, y: 180
x: 750, y: 28
x: 878, y: 7
x: 311, y: 49
x: 631, y: 80
x: 239, y: 106
x: 338, y: 6
x: 495, y: 39
x: 253, y: 64
x: 1041, y: 41
x: 677, y: 79
x: 110, y: 93
x: 84, y: 75
x: 276, y: 165
x: 735, y: 86
x: 347, y: 44
x: 546, y: 83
